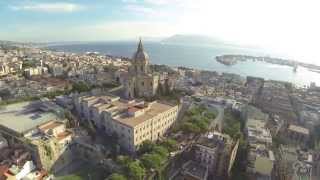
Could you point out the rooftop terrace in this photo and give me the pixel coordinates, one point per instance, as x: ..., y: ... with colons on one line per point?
x: 130, y: 113
x: 25, y: 116
x: 155, y: 109
x: 214, y: 140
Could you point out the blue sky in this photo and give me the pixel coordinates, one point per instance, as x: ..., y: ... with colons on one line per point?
x: 290, y: 26
x: 49, y: 20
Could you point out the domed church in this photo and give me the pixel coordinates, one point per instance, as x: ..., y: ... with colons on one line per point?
x: 141, y: 81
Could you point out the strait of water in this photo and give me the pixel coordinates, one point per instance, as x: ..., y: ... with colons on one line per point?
x: 201, y: 57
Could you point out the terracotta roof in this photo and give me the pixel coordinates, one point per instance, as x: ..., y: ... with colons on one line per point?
x: 63, y: 135
x: 3, y: 170
x: 133, y: 109
x: 50, y: 125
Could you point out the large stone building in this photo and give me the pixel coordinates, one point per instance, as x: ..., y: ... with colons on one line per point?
x: 217, y: 152
x: 133, y: 121
x: 274, y: 99
x: 141, y: 81
x: 257, y: 133
x: 297, y: 134
x: 40, y: 127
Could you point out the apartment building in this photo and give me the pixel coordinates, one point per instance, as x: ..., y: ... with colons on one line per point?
x: 257, y: 133
x: 297, y: 134
x: 217, y: 152
x: 133, y: 121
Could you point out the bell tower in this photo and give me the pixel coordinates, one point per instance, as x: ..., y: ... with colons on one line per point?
x: 140, y: 63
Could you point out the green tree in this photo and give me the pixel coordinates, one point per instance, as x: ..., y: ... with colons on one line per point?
x: 202, y: 124
x: 28, y: 64
x: 210, y: 115
x: 232, y: 124
x: 124, y: 160
x: 170, y: 144
x: 146, y: 147
x: 136, y: 171
x: 116, y: 176
x: 151, y: 161
x: 160, y: 150
x: 189, y: 127
x: 71, y: 177
x: 80, y: 87
x: 70, y: 121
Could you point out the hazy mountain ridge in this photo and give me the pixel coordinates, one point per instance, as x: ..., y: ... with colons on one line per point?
x: 200, y: 40
x: 179, y: 38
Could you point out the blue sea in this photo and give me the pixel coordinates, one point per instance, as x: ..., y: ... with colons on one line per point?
x: 201, y: 57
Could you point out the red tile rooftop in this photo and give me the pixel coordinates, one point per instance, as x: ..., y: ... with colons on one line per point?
x: 133, y: 109
x: 3, y: 169
x: 50, y: 125
x: 63, y: 135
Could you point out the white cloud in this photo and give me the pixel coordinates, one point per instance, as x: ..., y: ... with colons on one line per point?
x: 146, y: 12
x: 49, y: 7
x: 139, y: 9
x: 160, y: 2
x: 129, y: 1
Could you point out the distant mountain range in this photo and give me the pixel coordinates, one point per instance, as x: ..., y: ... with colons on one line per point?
x: 181, y: 39
x: 18, y: 44
x: 192, y: 39
x: 200, y: 40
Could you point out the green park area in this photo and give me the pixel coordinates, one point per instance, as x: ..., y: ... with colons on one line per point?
x: 233, y: 126
x: 151, y: 160
x: 86, y: 172
x: 196, y: 120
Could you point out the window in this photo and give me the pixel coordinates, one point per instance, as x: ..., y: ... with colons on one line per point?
x: 142, y: 83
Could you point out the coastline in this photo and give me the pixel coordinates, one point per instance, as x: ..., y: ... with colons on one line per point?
x: 230, y: 59
x: 200, y: 58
